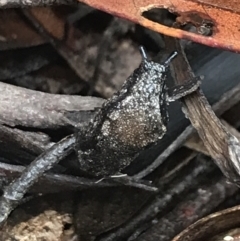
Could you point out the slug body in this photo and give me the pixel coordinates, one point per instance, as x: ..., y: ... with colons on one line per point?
x: 134, y: 118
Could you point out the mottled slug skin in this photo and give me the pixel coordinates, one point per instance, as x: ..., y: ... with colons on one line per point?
x: 134, y: 118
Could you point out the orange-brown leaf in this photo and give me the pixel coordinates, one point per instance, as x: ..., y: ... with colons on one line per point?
x: 225, y: 16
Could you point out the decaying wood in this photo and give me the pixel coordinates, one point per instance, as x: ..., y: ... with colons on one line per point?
x: 34, y: 107
x: 24, y: 130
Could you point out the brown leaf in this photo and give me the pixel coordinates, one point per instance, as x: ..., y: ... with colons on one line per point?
x: 223, y: 15
x: 15, y: 32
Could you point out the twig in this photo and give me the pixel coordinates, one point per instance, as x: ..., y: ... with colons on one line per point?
x: 42, y: 110
x: 17, y: 189
x: 51, y: 183
x: 34, y: 143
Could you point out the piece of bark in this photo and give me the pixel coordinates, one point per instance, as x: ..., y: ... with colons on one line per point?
x: 223, y: 147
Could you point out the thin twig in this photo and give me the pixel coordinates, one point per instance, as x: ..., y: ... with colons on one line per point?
x: 51, y: 182
x: 13, y: 194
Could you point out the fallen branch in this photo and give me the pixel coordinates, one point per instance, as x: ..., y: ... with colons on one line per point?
x: 43, y: 110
